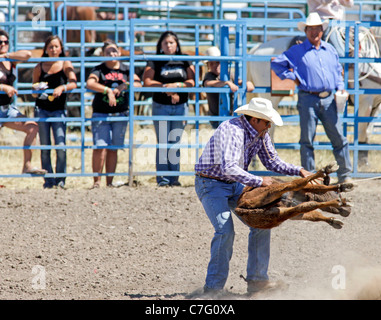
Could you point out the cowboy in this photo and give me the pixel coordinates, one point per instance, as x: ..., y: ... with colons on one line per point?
x: 222, y: 173
x: 315, y: 68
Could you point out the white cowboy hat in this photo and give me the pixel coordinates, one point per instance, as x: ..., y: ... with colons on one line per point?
x: 262, y: 109
x: 213, y: 52
x: 313, y: 19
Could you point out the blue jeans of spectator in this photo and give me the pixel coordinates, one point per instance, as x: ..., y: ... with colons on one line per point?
x: 312, y: 109
x: 109, y: 133
x: 168, y: 132
x: 9, y: 111
x: 219, y: 200
x: 59, y: 134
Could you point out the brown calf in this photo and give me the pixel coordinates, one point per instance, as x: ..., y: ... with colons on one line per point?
x: 268, y: 207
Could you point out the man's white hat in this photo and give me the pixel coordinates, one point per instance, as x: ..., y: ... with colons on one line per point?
x: 262, y: 109
x: 213, y: 52
x: 313, y: 19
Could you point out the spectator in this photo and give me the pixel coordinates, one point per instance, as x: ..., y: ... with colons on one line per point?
x: 7, y: 95
x: 60, y: 76
x: 110, y: 80
x: 331, y: 10
x: 221, y: 174
x: 169, y: 74
x: 212, y: 79
x: 317, y: 73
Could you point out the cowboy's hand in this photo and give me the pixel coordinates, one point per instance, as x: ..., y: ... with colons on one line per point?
x: 304, y: 173
x: 267, y: 181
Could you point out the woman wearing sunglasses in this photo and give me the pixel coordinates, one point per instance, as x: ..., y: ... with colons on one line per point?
x: 7, y: 95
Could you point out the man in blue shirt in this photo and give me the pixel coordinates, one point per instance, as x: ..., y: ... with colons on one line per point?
x: 315, y: 68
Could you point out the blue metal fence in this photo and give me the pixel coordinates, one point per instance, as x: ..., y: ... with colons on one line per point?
x: 237, y: 33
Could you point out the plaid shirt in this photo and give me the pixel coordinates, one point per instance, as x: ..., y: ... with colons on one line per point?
x: 230, y: 150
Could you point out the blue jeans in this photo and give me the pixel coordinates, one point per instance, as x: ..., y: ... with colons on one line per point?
x: 106, y: 133
x: 9, y: 111
x: 219, y: 200
x: 312, y: 109
x: 168, y: 159
x: 59, y: 134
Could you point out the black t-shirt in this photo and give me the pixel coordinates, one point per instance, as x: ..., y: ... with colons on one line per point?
x: 213, y: 98
x: 169, y: 72
x: 54, y: 80
x: 6, y: 77
x: 111, y: 78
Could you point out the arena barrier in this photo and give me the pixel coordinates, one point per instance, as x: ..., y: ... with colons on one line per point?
x: 231, y: 34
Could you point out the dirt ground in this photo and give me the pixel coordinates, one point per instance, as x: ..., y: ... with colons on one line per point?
x: 153, y: 243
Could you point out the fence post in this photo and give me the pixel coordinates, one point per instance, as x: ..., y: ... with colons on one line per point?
x: 83, y: 90
x: 224, y: 97
x: 131, y: 104
x: 357, y: 98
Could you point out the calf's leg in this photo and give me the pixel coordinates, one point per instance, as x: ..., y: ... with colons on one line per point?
x: 316, y: 216
x: 260, y: 197
x: 274, y: 216
x: 320, y: 188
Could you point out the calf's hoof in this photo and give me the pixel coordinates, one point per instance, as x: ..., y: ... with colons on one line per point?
x: 331, y: 167
x: 346, y: 186
x: 336, y: 223
x: 345, y: 211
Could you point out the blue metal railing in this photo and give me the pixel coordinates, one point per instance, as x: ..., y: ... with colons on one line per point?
x: 240, y: 32
x: 233, y: 9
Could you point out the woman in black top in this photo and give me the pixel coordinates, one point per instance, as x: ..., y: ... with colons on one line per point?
x: 60, y: 76
x: 169, y: 74
x: 110, y: 81
x: 7, y: 94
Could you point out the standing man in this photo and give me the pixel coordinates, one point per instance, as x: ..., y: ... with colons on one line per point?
x: 221, y: 174
x: 331, y: 10
x: 317, y: 73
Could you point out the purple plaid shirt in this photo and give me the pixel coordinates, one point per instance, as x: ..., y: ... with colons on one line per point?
x: 230, y: 150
